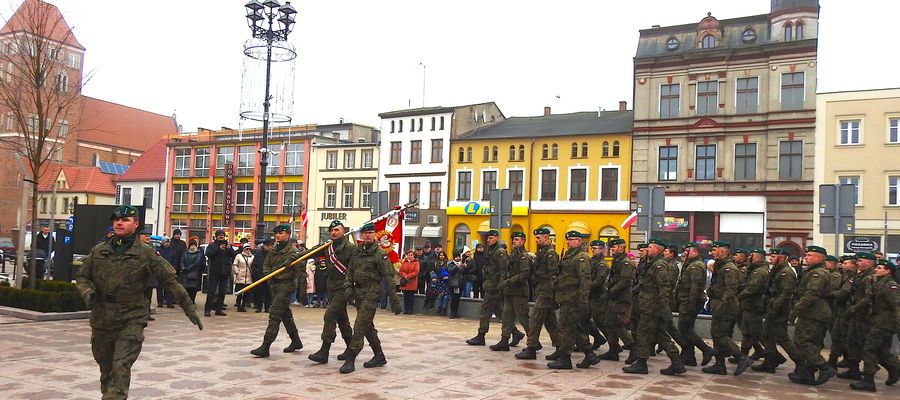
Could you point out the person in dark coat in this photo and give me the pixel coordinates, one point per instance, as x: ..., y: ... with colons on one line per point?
x: 180, y: 248
x: 476, y: 265
x: 168, y: 253
x: 260, y: 293
x: 192, y: 265
x: 321, y: 283
x: 219, y: 255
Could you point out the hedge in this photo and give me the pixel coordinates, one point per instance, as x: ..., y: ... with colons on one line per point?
x: 53, y: 296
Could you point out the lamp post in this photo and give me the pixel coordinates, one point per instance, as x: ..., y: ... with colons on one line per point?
x: 271, y: 22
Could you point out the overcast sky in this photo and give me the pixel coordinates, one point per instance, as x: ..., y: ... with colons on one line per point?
x: 359, y: 58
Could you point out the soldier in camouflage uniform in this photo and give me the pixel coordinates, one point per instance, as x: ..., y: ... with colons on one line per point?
x: 618, y: 301
x: 858, y: 320
x: 497, y: 261
x: 572, y: 288
x: 281, y: 286
x: 670, y: 255
x: 885, y: 294
x: 723, y: 290
x: 782, y: 283
x: 369, y: 265
x: 691, y: 298
x: 514, y: 287
x: 741, y: 259
x: 653, y: 302
x: 336, y: 264
x: 595, y: 324
x: 839, y: 310
x: 543, y: 314
x: 639, y: 270
x: 753, y: 301
x: 813, y: 315
x: 111, y: 281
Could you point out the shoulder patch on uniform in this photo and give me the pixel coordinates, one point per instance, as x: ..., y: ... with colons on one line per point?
x: 814, y: 275
x: 727, y: 270
x: 549, y: 255
x: 755, y: 273
x: 385, y: 257
x: 502, y: 254
x: 659, y: 267
x: 581, y: 259
x: 893, y: 287
x: 782, y: 274
x: 693, y: 268
x: 850, y: 280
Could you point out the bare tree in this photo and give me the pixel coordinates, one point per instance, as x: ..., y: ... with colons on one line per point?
x: 39, y: 92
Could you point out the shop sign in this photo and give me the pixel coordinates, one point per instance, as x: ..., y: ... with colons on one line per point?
x: 477, y: 208
x: 855, y: 244
x: 675, y: 224
x: 411, y: 216
x: 331, y: 216
x: 228, y: 207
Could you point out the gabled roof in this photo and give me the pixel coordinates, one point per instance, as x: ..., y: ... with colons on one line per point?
x: 428, y: 110
x: 106, y: 123
x: 32, y: 13
x: 80, y: 179
x: 579, y: 123
x: 150, y: 166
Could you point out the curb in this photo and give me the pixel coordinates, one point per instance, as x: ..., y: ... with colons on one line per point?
x: 42, y: 316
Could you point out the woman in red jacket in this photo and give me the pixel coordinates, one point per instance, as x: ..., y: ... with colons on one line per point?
x: 409, y: 283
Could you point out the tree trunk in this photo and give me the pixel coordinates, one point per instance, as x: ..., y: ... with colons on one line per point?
x: 32, y: 258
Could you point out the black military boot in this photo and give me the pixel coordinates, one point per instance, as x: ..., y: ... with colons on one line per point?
x: 632, y: 356
x: 765, y: 366
x: 613, y: 353
x: 832, y: 359
x: 528, y: 353
x: 555, y: 355
x: 718, y: 368
x: 867, y: 383
x: 378, y: 359
x: 743, y: 362
x: 321, y: 356
x: 295, y: 345
x: 852, y: 373
x: 893, y: 376
x: 564, y: 361
x: 589, y: 359
x: 844, y: 363
x: 826, y: 372
x: 688, y: 357
x: 478, y: 340
x: 708, y: 352
x: 349, y: 363
x: 638, y: 367
x: 343, y: 356
x: 599, y: 340
x: 263, y: 350
x: 517, y: 337
x: 758, y: 352
x: 778, y: 359
x: 676, y: 367
x: 502, y: 345
x: 803, y: 376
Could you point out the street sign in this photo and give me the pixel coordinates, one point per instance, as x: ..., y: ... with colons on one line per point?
x: 501, y: 208
x: 837, y: 209
x: 70, y: 224
x: 651, y: 208
x: 856, y: 244
x: 379, y: 203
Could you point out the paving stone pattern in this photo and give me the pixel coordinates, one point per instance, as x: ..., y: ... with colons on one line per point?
x: 427, y: 358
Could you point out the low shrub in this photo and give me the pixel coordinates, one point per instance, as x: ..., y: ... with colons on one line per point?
x: 50, y: 296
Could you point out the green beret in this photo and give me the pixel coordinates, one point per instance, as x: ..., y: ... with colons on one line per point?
x: 518, y: 234
x: 672, y: 247
x: 884, y: 262
x: 777, y: 251
x: 369, y: 227
x: 831, y: 258
x: 573, y: 234
x: 124, y: 211
x: 689, y: 245
x: 758, y: 250
x: 865, y: 255
x: 597, y: 243
x: 541, y: 231
x: 282, y: 228
x: 335, y: 223
x: 848, y: 257
x: 642, y: 246
x: 493, y: 232
x: 721, y: 243
x: 739, y: 251
x: 616, y: 241
x: 656, y: 241
x: 816, y: 249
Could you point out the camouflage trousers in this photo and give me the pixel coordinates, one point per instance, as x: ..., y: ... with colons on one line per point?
x: 687, y: 319
x: 651, y: 330
x: 336, y: 317
x: 878, y: 350
x: 280, y: 312
x: 809, y: 335
x: 115, y: 351
x: 367, y: 301
x: 492, y: 304
x: 775, y: 334
x: 839, y: 334
x: 616, y: 315
x: 751, y: 327
x: 571, y: 333
x: 542, y: 315
x: 857, y: 331
x: 598, y: 314
x: 722, y: 329
x: 515, y: 309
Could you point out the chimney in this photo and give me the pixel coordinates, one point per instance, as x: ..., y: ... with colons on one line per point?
x: 623, y: 105
x: 546, y: 111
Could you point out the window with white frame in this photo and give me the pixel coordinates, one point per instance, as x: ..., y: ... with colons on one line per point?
x: 894, y: 130
x: 349, y: 159
x: 293, y: 158
x: 293, y: 193
x: 894, y: 190
x: 464, y: 185
x: 148, y: 197
x: 201, y: 161
x: 218, y: 197
x: 609, y: 184
x: 243, y: 199
x: 851, y: 180
x: 415, y: 189
x: 331, y: 160
x: 348, y: 195
x: 201, y: 197
x: 578, y: 184
x: 330, y: 196
x: 548, y: 185
x: 271, y: 198
x: 126, y: 196
x: 274, y: 159
x: 179, y: 197
x: 182, y: 162
x: 849, y: 132
x: 365, y: 191
x: 224, y: 155
x: 367, y: 156
x: 245, y: 160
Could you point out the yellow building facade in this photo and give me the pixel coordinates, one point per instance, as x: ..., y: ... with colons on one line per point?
x: 566, y: 172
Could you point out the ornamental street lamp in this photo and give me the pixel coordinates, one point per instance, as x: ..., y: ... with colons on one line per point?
x: 270, y: 23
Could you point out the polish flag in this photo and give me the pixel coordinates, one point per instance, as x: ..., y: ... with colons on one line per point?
x: 303, y: 220
x: 630, y: 220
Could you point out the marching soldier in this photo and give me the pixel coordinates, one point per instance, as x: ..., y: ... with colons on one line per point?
x: 635, y: 292
x: 753, y: 301
x: 618, y: 301
x: 497, y: 261
x: 813, y: 316
x: 369, y: 265
x: 670, y: 255
x: 337, y: 262
x: 782, y: 283
x: 111, y: 281
x: 543, y: 315
x: 839, y: 309
x: 282, y: 285
x: 572, y: 288
x: 599, y: 274
x: 691, y: 298
x: 653, y: 303
x: 885, y: 295
x: 515, y: 292
x: 858, y: 318
x: 725, y: 306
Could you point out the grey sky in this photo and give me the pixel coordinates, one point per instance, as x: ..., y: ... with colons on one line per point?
x: 358, y: 58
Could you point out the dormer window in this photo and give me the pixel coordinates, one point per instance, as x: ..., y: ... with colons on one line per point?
x: 749, y: 35
x: 672, y: 43
x: 708, y: 42
x: 788, y: 32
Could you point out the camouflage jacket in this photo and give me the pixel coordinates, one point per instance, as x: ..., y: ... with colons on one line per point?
x: 546, y: 267
x: 812, y: 294
x: 515, y: 278
x: 656, y: 288
x: 599, y: 275
x: 723, y: 290
x: 496, y: 263
x: 574, y: 281
x: 842, y: 295
x: 691, y: 285
x: 343, y: 251
x: 753, y: 295
x: 369, y: 265
x: 782, y: 283
x: 885, y: 295
x: 620, y: 279
x: 288, y: 278
x: 860, y: 301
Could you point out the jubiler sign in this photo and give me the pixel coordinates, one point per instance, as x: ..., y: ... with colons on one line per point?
x: 229, y: 194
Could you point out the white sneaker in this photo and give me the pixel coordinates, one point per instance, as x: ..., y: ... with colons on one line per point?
x: 295, y: 304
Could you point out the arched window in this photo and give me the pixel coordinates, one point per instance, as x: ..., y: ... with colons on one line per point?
x: 605, y: 149
x: 788, y: 32
x: 421, y: 125
x: 412, y: 124
x: 442, y: 123
x: 62, y: 82
x: 544, y: 152
x: 392, y: 126
x: 708, y: 42
x: 432, y: 123
x: 798, y: 31
x: 574, y: 150
x: 521, y: 152
x: 512, y: 153
x: 95, y: 160
x: 487, y: 153
x: 462, y: 154
x: 495, y: 153
x: 468, y: 153
x: 616, y: 148
x: 584, y: 148
x: 554, y: 153
x: 401, y: 126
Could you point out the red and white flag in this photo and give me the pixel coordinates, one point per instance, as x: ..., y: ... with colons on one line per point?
x: 630, y: 220
x: 303, y: 220
x: 389, y: 235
